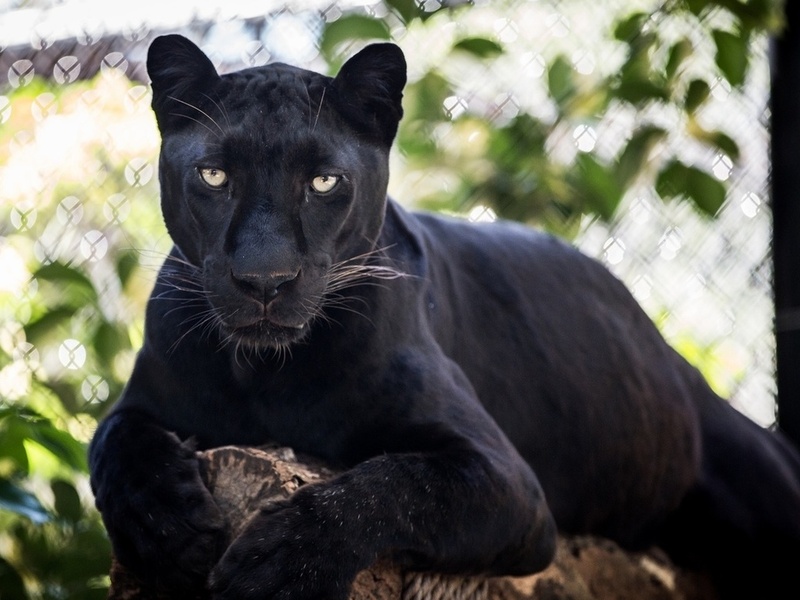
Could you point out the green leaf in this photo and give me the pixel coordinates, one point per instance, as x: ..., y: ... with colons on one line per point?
x: 589, y: 102
x: 630, y: 27
x: 719, y: 140
x: 679, y: 52
x: 415, y: 141
x: 61, y: 273
x: 637, y: 81
x: 638, y: 90
x: 680, y: 180
x: 126, y: 265
x: 560, y: 80
x: 669, y: 183
x: 15, y: 499
x: 732, y: 55
x: 602, y: 191
x: 67, y: 501
x: 72, y: 286
x: 12, y: 438
x: 109, y: 340
x: 28, y: 425
x: 60, y: 443
x: 637, y: 153
x: 638, y: 66
x: 754, y: 14
x: 66, y: 392
x: 351, y: 27
x: 697, y: 93
x: 407, y: 9
x: 698, y: 6
x: 480, y: 47
x: 46, y: 326
x: 518, y: 147
x: 423, y: 101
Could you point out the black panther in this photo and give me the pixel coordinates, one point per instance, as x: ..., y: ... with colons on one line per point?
x: 483, y: 386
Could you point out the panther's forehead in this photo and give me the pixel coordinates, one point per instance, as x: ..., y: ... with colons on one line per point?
x: 277, y: 92
x: 274, y: 111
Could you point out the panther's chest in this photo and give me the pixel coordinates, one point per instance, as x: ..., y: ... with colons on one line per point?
x: 307, y: 409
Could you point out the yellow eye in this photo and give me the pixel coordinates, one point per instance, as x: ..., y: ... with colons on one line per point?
x: 324, y: 183
x: 214, y: 177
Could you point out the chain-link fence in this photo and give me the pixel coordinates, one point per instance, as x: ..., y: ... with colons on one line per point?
x: 706, y: 281
x: 574, y: 115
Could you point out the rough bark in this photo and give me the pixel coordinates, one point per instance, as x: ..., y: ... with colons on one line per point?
x: 244, y: 479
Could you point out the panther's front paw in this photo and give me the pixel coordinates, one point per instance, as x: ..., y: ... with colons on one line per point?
x: 176, y: 549
x: 287, y: 553
x: 167, y: 530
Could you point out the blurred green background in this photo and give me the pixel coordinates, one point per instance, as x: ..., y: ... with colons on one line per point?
x: 626, y: 127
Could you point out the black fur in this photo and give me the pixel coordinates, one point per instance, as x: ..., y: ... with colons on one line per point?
x: 479, y: 383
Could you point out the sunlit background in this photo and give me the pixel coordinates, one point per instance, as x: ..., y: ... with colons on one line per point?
x: 637, y: 129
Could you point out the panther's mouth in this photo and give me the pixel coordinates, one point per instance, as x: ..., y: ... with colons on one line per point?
x: 265, y: 333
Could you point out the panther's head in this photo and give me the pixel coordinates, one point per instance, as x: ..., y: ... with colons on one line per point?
x: 273, y: 179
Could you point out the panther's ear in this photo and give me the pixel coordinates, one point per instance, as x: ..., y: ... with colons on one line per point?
x: 181, y: 75
x: 370, y: 90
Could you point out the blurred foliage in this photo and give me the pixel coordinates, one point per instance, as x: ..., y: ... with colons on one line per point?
x: 81, y: 232
x: 79, y: 202
x: 509, y: 164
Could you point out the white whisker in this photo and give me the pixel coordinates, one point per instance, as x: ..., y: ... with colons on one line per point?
x: 202, y: 112
x: 220, y: 108
x: 319, y: 110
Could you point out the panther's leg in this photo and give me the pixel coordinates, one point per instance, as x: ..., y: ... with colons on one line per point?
x: 161, y: 519
x: 448, y: 492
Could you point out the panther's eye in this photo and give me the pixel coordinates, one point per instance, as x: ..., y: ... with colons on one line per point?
x: 324, y: 183
x: 213, y: 177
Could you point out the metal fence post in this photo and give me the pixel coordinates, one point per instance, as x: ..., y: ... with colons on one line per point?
x: 786, y: 218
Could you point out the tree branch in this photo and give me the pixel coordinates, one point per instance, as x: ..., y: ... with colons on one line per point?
x: 242, y: 480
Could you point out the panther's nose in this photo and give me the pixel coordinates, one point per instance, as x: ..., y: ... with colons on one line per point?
x: 263, y: 287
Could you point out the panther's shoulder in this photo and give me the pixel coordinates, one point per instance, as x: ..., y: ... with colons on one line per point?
x: 450, y: 229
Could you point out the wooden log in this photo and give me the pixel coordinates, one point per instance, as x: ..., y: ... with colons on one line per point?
x: 242, y: 480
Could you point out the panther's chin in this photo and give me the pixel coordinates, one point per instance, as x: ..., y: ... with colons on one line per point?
x: 266, y: 334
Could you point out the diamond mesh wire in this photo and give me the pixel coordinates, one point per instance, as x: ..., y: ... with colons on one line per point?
x: 706, y: 282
